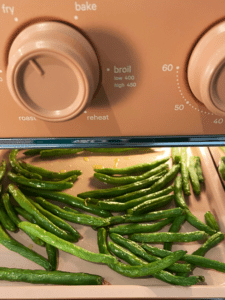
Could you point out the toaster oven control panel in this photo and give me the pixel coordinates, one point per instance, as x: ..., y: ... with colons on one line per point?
x: 112, y: 69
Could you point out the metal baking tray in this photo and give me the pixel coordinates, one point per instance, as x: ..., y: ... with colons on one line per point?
x: 212, y: 198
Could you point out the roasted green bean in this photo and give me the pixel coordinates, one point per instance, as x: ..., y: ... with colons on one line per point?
x: 23, y: 201
x: 139, y: 228
x: 198, y: 169
x: 194, y: 221
x: 136, y: 249
x: 133, y: 169
x: 175, y: 227
x: 49, y: 174
x: 178, y: 194
x: 192, y: 259
x: 52, y: 253
x: 123, y: 206
x: 160, y: 170
x: 184, y: 171
x: 211, y: 221
x: 49, y: 277
x: 59, y: 152
x: 193, y: 176
x: 14, y: 218
x: 40, y: 184
x: 157, y: 186
x: 150, y: 205
x: 15, y: 246
x: 71, y: 216
x: 66, y: 246
x: 17, y: 168
x: 162, y: 237
x: 68, y: 199
x: 152, y: 216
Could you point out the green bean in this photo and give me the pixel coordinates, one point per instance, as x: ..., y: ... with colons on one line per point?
x: 211, y: 242
x: 162, y: 237
x: 157, y: 186
x: 40, y: 184
x: 117, y: 191
x: 17, y: 168
x: 6, y: 222
x: 66, y: 246
x: 175, y: 155
x: 71, y: 216
x: 22, y: 200
x: 49, y: 174
x: 59, y: 152
x: 160, y: 170
x: 124, y: 189
x: 2, y: 169
x: 178, y: 194
x: 198, y: 169
x: 131, y: 258
x: 32, y: 152
x: 14, y: 218
x: 162, y: 275
x: 211, y: 221
x: 133, y: 169
x: 57, y: 221
x: 49, y: 277
x: 193, y: 176
x: 139, y: 228
x: 136, y: 249
x: 102, y: 241
x: 222, y: 167
x: 184, y: 171
x: 152, y: 216
x: 15, y: 246
x: 118, y: 206
x: 66, y: 208
x: 150, y: 205
x: 192, y: 259
x: 119, y: 267
x: 25, y: 214
x: 68, y: 199
x: 194, y: 221
x: 175, y: 227
x: 146, y: 269
x: 10, y: 210
x: 52, y: 253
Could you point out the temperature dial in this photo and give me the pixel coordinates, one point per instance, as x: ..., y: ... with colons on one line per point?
x: 206, y: 70
x: 53, y: 71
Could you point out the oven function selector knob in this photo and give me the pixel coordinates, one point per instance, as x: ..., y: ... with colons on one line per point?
x: 206, y: 70
x: 53, y: 71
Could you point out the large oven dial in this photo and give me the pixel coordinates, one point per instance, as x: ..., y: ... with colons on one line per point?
x: 53, y: 71
x: 206, y: 70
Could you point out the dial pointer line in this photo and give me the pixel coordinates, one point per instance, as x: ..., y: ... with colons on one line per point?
x: 37, y: 68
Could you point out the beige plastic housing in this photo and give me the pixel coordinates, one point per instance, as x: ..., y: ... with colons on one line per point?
x: 206, y: 69
x: 141, y: 48
x: 52, y: 71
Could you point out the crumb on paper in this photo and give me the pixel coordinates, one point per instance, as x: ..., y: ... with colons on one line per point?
x: 116, y: 161
x: 63, y: 171
x: 127, y: 158
x: 30, y: 246
x: 86, y: 159
x: 97, y: 167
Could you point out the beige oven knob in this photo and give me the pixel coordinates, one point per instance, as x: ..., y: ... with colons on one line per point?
x: 53, y: 71
x: 206, y: 70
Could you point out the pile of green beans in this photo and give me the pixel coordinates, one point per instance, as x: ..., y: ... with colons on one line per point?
x: 141, y: 197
